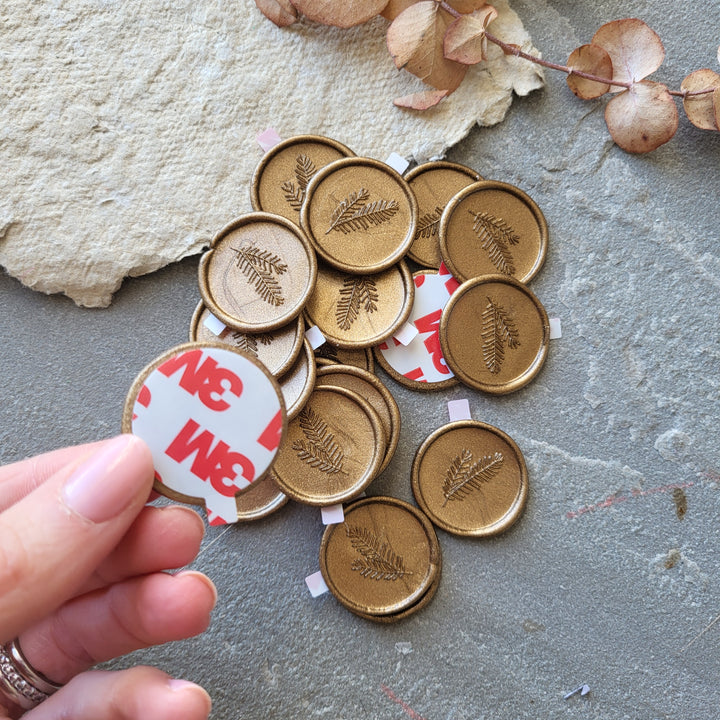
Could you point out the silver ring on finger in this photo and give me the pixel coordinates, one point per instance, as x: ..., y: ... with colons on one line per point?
x: 20, y: 682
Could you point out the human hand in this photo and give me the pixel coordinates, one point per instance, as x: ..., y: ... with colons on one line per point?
x: 82, y: 581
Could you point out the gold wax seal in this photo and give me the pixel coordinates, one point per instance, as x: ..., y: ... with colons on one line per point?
x: 260, y: 500
x: 328, y: 354
x: 297, y: 383
x: 494, y: 334
x: 333, y: 448
x: 258, y: 273
x: 277, y: 349
x: 371, y: 388
x: 470, y: 479
x: 492, y: 227
x: 360, y: 215
x: 434, y: 184
x: 383, y: 559
x: 360, y: 311
x: 282, y: 177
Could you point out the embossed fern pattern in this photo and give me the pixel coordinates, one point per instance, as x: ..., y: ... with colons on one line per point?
x: 319, y: 450
x: 463, y: 476
x: 355, y: 213
x: 498, y: 331
x: 496, y: 237
x: 357, y: 293
x: 378, y: 560
x: 295, y: 194
x: 249, y: 343
x: 429, y: 224
x: 260, y: 267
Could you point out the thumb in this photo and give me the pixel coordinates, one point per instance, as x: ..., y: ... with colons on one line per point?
x: 54, y: 538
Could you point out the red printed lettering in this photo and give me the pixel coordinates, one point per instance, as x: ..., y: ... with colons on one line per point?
x: 215, y: 465
x: 416, y: 374
x: 208, y: 381
x: 270, y: 438
x: 430, y: 323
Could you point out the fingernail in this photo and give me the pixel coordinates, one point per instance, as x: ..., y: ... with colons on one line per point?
x: 174, y: 684
x: 199, y: 692
x: 203, y: 578
x: 106, y: 483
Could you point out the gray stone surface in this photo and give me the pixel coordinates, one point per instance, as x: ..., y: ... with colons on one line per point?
x: 601, y: 582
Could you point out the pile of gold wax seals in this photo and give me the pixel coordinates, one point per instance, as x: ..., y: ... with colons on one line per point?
x: 327, y: 248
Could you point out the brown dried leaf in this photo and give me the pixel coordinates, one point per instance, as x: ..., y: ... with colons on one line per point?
x: 465, y: 40
x: 716, y: 105
x: 281, y: 12
x: 395, y: 7
x: 421, y: 100
x: 340, y: 12
x: 594, y: 60
x: 635, y: 49
x: 700, y: 108
x: 415, y: 42
x: 642, y: 118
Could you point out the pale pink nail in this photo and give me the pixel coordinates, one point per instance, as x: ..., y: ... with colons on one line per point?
x: 105, y: 484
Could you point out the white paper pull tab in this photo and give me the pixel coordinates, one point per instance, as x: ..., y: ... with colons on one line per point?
x: 332, y: 514
x: 316, y: 585
x: 555, y: 328
x: 406, y: 334
x: 315, y: 337
x: 397, y: 162
x: 459, y: 410
x: 268, y: 139
x: 215, y: 326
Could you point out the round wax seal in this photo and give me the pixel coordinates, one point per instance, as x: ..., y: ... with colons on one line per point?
x: 434, y: 184
x: 213, y: 419
x: 333, y: 448
x: 470, y: 478
x: 261, y: 499
x: 298, y: 382
x: 277, y: 349
x: 494, y: 334
x: 492, y: 227
x: 371, y: 388
x: 258, y: 273
x: 360, y: 311
x: 282, y: 177
x: 382, y: 559
x: 420, y: 364
x: 360, y: 215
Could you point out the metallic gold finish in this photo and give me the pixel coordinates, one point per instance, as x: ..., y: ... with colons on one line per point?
x: 333, y: 448
x: 258, y: 273
x: 419, y: 365
x: 382, y: 559
x: 371, y: 388
x: 360, y: 311
x: 298, y: 383
x: 494, y: 334
x: 470, y: 478
x: 492, y: 227
x: 328, y: 354
x: 360, y: 215
x: 434, y: 184
x: 277, y: 349
x: 282, y: 177
x: 260, y: 499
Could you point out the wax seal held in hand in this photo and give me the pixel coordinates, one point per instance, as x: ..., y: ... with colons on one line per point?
x: 213, y: 419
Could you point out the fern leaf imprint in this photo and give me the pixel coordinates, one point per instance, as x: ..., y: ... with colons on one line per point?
x: 429, y: 224
x: 498, y: 330
x: 261, y: 267
x: 377, y: 559
x: 496, y: 237
x: 354, y: 213
x: 319, y: 449
x: 464, y: 476
x: 357, y: 293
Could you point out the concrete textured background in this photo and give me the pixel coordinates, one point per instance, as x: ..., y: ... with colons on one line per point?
x: 602, y: 581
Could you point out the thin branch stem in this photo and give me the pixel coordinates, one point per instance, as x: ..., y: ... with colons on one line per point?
x: 510, y: 49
